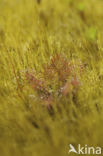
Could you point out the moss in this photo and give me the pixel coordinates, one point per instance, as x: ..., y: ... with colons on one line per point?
x: 51, y: 76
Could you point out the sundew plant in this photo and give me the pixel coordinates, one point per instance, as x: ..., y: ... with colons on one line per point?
x: 51, y: 76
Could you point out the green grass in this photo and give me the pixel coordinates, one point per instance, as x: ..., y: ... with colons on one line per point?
x: 39, y: 44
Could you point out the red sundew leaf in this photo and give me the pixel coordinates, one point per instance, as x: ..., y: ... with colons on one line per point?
x: 56, y: 74
x: 66, y: 89
x: 34, y: 82
x: 29, y: 77
x: 75, y: 82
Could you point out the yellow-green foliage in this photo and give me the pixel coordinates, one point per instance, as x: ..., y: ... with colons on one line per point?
x: 32, y: 33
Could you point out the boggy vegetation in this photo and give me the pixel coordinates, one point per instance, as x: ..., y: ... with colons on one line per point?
x: 59, y: 78
x: 51, y: 76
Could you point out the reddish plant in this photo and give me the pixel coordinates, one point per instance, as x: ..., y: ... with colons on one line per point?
x: 62, y: 73
x: 59, y: 66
